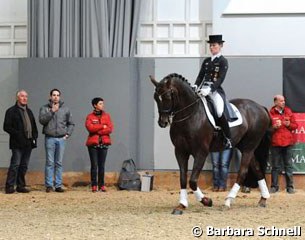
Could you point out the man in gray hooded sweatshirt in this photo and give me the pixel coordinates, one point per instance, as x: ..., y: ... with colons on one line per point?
x: 57, y: 127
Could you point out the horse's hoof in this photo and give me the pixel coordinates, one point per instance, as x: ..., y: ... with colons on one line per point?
x: 207, y: 202
x: 177, y: 212
x: 225, y: 208
x: 228, y: 203
x: 262, y: 202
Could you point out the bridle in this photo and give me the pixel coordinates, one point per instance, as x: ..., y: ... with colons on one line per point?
x: 171, y: 111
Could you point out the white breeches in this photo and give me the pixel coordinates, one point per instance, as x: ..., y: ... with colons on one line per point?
x: 217, y: 102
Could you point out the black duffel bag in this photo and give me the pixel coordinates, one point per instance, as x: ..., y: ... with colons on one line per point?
x: 129, y: 178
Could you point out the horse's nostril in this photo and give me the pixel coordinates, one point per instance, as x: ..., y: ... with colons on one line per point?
x: 162, y: 124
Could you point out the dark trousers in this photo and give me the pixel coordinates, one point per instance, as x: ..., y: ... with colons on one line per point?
x: 18, y: 167
x: 98, y: 158
x: 281, y: 156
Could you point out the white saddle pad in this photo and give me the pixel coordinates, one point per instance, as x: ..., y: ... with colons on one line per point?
x: 237, y: 122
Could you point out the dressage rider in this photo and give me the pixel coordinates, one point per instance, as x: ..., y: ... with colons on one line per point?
x: 208, y: 83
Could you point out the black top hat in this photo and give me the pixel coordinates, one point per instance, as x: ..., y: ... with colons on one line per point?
x: 215, y: 39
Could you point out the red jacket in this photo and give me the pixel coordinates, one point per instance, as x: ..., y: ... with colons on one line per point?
x: 282, y: 136
x: 99, y: 128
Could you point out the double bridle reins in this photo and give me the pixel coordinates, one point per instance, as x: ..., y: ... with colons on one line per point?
x: 171, y: 111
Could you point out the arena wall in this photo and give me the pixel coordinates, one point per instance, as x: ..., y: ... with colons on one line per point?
x: 128, y: 93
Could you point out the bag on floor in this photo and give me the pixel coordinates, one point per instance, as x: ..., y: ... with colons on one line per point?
x: 129, y: 178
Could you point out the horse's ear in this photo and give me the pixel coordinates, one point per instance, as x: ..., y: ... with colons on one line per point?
x: 153, y: 80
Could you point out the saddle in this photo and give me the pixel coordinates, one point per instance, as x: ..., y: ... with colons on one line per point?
x: 231, y: 112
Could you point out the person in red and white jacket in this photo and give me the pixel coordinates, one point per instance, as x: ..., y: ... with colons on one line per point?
x: 99, y: 126
x: 283, y: 123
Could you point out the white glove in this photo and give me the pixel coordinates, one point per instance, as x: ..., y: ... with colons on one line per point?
x: 204, y: 91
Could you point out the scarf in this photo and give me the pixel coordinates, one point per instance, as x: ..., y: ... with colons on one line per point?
x: 26, y: 121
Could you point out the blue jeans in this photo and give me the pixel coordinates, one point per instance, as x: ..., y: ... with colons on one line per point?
x: 18, y: 167
x: 281, y: 156
x: 221, y: 162
x: 98, y: 158
x: 55, y: 148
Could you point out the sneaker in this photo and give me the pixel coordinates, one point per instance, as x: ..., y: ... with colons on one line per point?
x: 22, y: 190
x: 59, y: 189
x: 103, y: 189
x: 94, y: 188
x: 274, y: 190
x: 49, y: 189
x: 290, y: 190
x: 9, y: 190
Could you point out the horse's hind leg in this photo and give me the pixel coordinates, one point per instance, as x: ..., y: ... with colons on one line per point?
x: 198, y: 165
x: 255, y: 166
x: 243, y: 170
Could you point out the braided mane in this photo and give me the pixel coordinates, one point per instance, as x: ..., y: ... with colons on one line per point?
x: 177, y: 76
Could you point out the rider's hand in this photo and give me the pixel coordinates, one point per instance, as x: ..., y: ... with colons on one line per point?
x: 205, y: 91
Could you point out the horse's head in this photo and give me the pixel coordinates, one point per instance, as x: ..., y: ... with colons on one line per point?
x: 167, y: 97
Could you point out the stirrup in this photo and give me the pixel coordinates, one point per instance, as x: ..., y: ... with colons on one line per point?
x: 228, y: 143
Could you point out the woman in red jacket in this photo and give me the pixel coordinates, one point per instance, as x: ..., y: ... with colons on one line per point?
x: 99, y: 126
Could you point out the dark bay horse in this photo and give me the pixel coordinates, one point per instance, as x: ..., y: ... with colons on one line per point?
x: 192, y: 134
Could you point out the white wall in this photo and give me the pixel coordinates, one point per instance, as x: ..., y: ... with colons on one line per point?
x: 260, y: 32
x: 13, y: 11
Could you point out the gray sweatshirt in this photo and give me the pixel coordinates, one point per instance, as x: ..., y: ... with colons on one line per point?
x: 56, y: 124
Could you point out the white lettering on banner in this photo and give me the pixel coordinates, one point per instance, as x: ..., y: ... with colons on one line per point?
x: 300, y: 130
x: 298, y: 159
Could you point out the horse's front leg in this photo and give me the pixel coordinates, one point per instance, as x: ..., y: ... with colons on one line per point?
x: 199, y: 161
x: 182, y: 159
x: 243, y: 170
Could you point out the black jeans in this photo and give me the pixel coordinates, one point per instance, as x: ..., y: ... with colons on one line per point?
x: 18, y: 167
x: 98, y: 159
x: 281, y: 156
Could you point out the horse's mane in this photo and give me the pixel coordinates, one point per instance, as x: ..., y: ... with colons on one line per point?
x: 177, y: 76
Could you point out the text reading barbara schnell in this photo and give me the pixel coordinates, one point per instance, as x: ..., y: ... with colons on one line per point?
x: 260, y: 231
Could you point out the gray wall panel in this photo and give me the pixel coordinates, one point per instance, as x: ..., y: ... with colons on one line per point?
x: 128, y: 95
x: 8, y: 89
x: 145, y: 138
x: 258, y: 79
x: 80, y: 80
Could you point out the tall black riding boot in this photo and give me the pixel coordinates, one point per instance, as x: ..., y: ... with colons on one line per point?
x: 226, y: 130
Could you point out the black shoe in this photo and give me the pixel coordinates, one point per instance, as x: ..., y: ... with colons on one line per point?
x: 22, y: 190
x: 49, y: 189
x: 290, y: 190
x: 59, y: 189
x: 9, y: 190
x: 273, y: 190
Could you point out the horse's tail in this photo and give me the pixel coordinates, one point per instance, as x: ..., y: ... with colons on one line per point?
x: 261, y: 156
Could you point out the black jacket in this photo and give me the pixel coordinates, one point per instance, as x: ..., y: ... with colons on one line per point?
x: 13, y: 125
x: 213, y: 72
